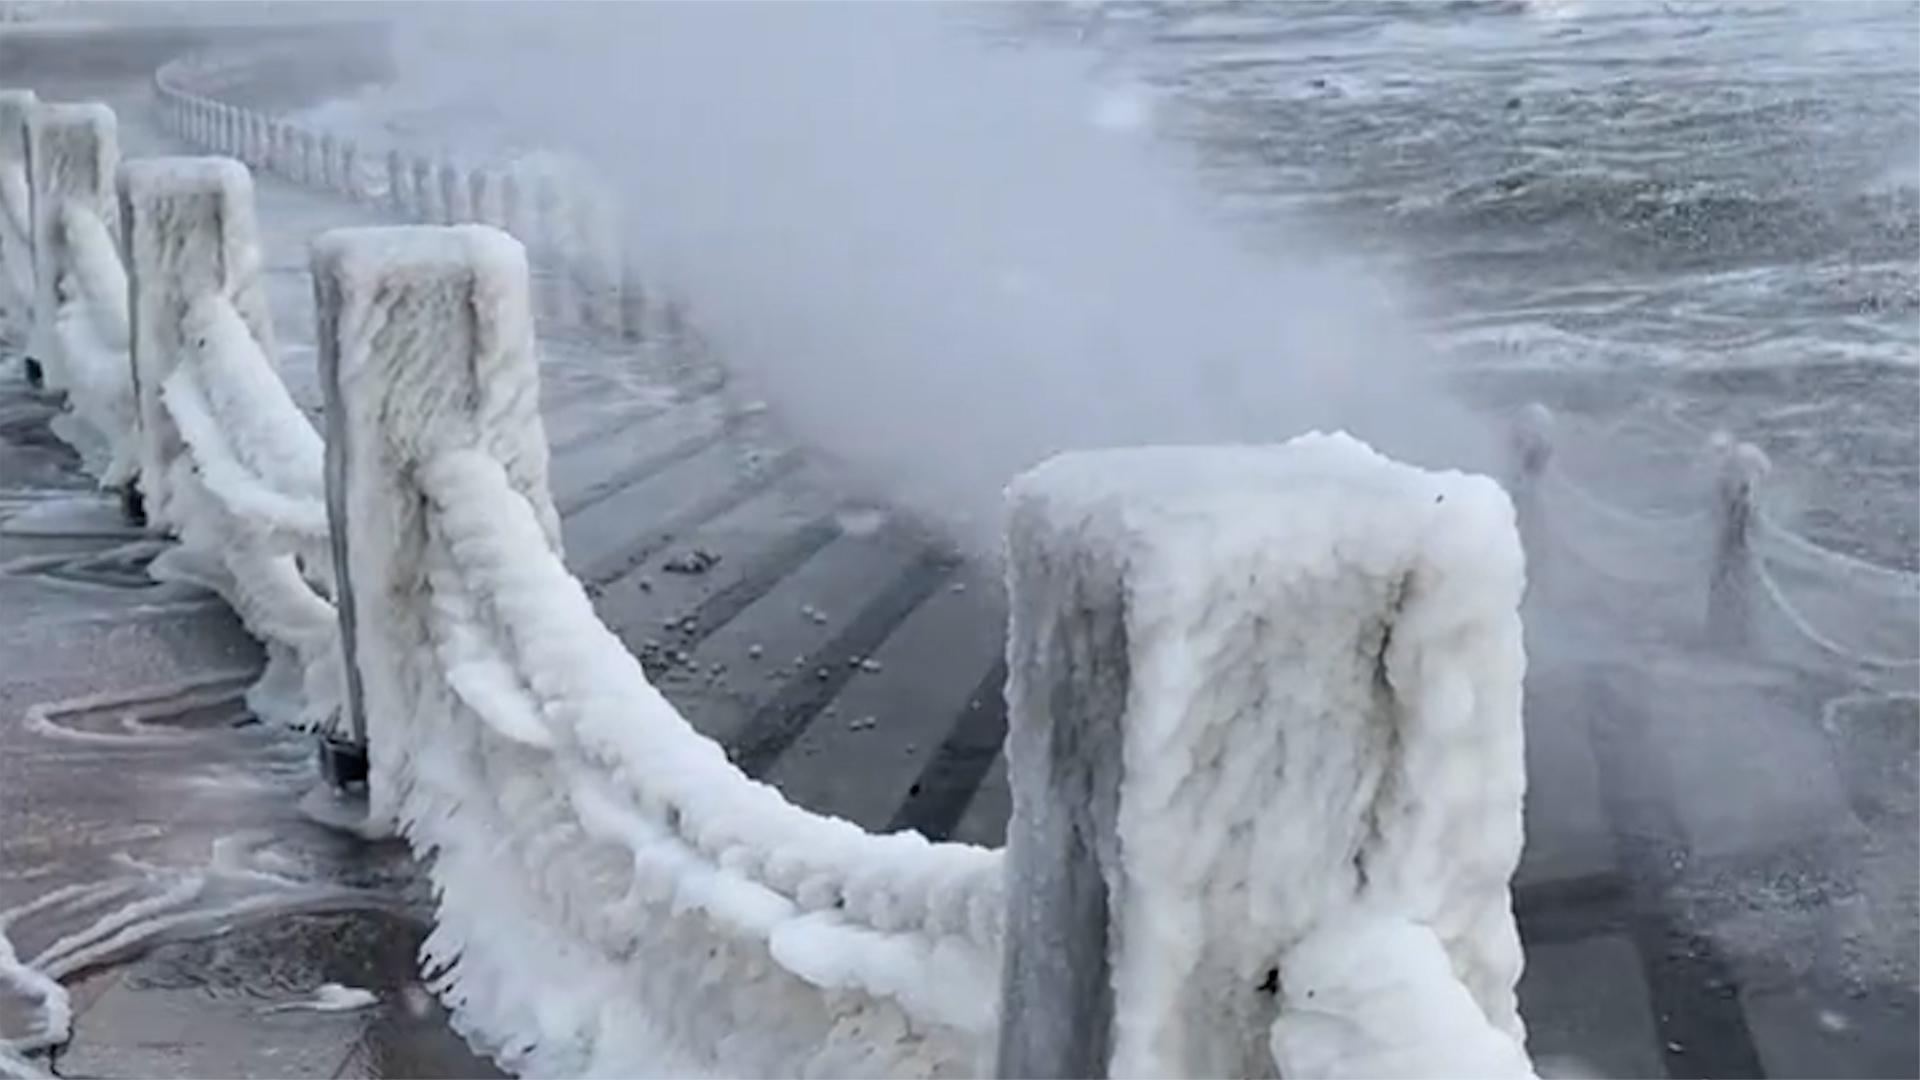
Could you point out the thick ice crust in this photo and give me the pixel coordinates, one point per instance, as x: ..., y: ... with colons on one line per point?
x: 1321, y: 657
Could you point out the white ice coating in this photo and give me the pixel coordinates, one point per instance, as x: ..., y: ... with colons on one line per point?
x: 80, y: 306
x: 90, y: 361
x: 1322, y: 662
x: 616, y: 897
x: 191, y: 233
x: 249, y: 508
x: 16, y: 220
x: 72, y: 155
x: 1374, y: 997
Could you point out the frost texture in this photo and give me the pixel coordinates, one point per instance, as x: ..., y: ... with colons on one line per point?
x: 80, y: 307
x: 248, y: 504
x: 227, y: 461
x: 615, y: 896
x: 91, y: 361
x: 1322, y: 661
x: 1375, y: 997
x: 191, y: 233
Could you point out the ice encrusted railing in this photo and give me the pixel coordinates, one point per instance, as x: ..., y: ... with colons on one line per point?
x: 615, y: 896
x: 1728, y: 570
x: 149, y: 318
x: 1265, y: 752
x: 1754, y: 570
x: 585, y: 282
x: 1263, y: 703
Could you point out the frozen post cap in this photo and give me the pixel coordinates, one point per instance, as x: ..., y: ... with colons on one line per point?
x: 73, y: 152
x: 190, y: 231
x: 426, y: 344
x: 1253, y: 689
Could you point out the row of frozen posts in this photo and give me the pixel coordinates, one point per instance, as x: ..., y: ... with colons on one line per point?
x: 1237, y: 845
x: 584, y: 280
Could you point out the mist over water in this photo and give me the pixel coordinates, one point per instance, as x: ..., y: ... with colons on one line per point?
x: 939, y: 258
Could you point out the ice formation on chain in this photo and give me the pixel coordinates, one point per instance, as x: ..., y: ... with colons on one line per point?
x: 16, y: 221
x: 80, y: 309
x: 248, y: 503
x: 1253, y: 691
x: 615, y: 896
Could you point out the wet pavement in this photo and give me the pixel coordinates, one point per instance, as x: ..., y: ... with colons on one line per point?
x: 1681, y: 916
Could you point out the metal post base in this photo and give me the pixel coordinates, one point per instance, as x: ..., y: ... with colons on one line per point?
x: 343, y: 765
x: 133, y: 504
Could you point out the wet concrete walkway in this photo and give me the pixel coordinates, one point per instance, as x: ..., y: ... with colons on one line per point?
x: 1680, y: 918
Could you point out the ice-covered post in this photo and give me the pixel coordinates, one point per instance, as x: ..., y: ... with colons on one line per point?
x: 633, y: 299
x: 73, y: 153
x: 190, y: 231
x: 599, y: 261
x: 312, y: 162
x: 483, y: 195
x: 16, y: 226
x: 397, y: 183
x: 329, y: 161
x: 250, y: 151
x: 453, y: 194
x: 1531, y: 451
x: 350, y: 169
x: 262, y: 142
x: 1265, y: 751
x: 673, y: 322
x: 1741, y: 467
x: 515, y: 210
x: 552, y: 250
x: 425, y: 206
x: 426, y: 344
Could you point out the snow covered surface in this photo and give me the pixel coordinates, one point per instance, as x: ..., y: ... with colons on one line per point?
x: 1321, y: 659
